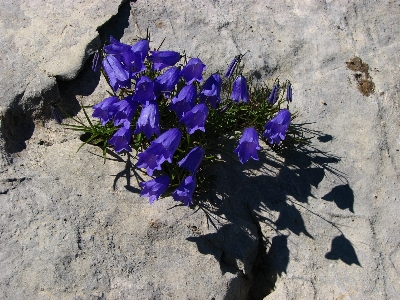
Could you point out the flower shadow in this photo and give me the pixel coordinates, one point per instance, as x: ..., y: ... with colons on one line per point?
x: 266, y: 200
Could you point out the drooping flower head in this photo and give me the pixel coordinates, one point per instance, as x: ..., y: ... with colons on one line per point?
x: 117, y: 75
x: 192, y: 160
x: 121, y: 138
x: 152, y: 158
x: 248, y: 145
x: 231, y: 68
x: 170, y: 141
x: 195, y: 119
x: 275, y: 129
x: 160, y: 150
x: 185, y: 190
x: 166, y: 82
x: 163, y: 59
x: 131, y: 57
x: 105, y: 109
x: 239, y: 90
x: 193, y: 70
x: 184, y: 101
x: 124, y: 110
x: 211, y: 90
x: 149, y: 121
x: 274, y: 94
x: 155, y: 187
x: 141, y: 48
x: 289, y: 92
x: 144, y: 91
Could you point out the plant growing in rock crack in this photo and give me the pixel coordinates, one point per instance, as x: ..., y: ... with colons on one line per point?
x: 177, y: 122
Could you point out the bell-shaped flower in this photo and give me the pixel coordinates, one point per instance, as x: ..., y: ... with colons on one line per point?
x: 192, y: 160
x: 248, y: 145
x: 195, y: 119
x: 170, y: 141
x: 184, y: 192
x: 239, y: 90
x: 184, y: 101
x: 124, y: 110
x: 149, y: 121
x: 155, y: 187
x: 163, y: 59
x: 166, y: 82
x: 152, y: 158
x: 132, y: 57
x: 211, y: 91
x: 231, y: 68
x: 160, y: 150
x: 117, y: 75
x: 144, y: 91
x: 141, y: 48
x: 122, y: 138
x: 116, y: 48
x: 105, y: 109
x: 289, y: 92
x: 274, y: 94
x: 275, y: 129
x: 193, y: 70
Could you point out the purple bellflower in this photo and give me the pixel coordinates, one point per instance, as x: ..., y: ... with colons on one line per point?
x: 231, y: 68
x: 185, y: 190
x: 192, y: 160
x: 195, y: 118
x: 149, y: 121
x: 105, y: 109
x: 144, y: 91
x: 239, y: 90
x: 152, y: 158
x: 121, y: 138
x: 170, y: 141
x: 274, y: 94
x: 132, y: 57
x: 289, y: 92
x: 211, y: 90
x: 117, y: 75
x: 184, y: 101
x: 124, y: 110
x: 193, y: 70
x: 248, y: 145
x: 141, y: 48
x: 160, y: 150
x: 116, y: 48
x: 275, y: 129
x: 163, y: 59
x: 155, y: 187
x: 166, y: 82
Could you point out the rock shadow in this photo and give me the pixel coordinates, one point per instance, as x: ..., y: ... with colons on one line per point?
x: 87, y: 80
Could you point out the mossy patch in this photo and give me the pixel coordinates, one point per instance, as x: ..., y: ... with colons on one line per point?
x: 364, y: 81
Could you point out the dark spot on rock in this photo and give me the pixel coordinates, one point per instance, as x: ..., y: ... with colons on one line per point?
x: 364, y: 81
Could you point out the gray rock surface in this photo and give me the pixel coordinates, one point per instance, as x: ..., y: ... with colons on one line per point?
x: 316, y: 223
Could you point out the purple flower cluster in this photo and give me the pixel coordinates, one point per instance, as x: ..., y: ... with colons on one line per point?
x: 142, y: 100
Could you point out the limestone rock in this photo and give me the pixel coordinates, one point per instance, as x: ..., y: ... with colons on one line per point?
x: 319, y: 222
